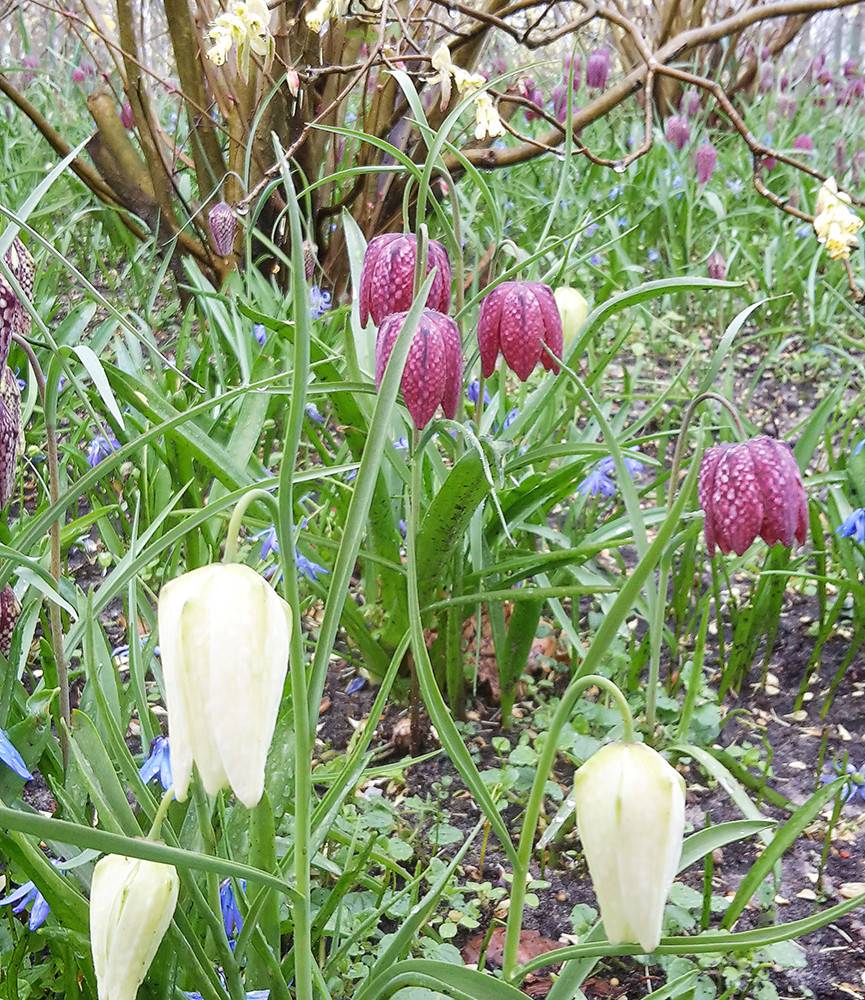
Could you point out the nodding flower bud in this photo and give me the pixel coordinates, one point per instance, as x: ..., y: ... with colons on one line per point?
x: 132, y: 903
x: 690, y: 104
x: 716, y: 266
x: 518, y: 319
x: 804, y: 143
x: 127, y: 118
x: 433, y: 372
x: 573, y: 310
x: 223, y: 226
x: 224, y: 635
x: 11, y: 443
x: 749, y: 490
x: 387, y: 277
x: 14, y: 317
x: 631, y: 819
x: 10, y: 610
x: 678, y: 131
x: 705, y: 160
x: 598, y: 69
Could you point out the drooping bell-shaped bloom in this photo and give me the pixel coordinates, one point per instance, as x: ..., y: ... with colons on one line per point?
x: 10, y: 396
x: 788, y: 106
x: 529, y: 89
x: 518, y: 319
x: 804, y: 143
x: 224, y: 635
x: 78, y: 75
x: 705, y: 161
x: 749, y: 490
x: 10, y: 610
x: 223, y: 226
x: 853, y: 526
x: 690, y: 104
x: 630, y: 806
x: 387, y: 277
x: 28, y: 897
x: 767, y: 78
x: 678, y: 131
x: 127, y: 118
x: 835, y: 224
x: 598, y: 69
x: 716, y: 266
x: 573, y: 310
x: 14, y: 317
x: 131, y: 906
x: 433, y: 372
x: 10, y: 438
x: 158, y: 763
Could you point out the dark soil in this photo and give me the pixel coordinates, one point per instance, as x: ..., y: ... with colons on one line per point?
x: 760, y: 717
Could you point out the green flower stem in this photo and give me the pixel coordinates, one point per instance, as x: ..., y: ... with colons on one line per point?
x: 228, y: 961
x: 533, y: 808
x: 303, y: 733
x: 55, y: 622
x: 156, y: 826
x: 237, y: 515
x: 683, y: 434
x: 664, y: 570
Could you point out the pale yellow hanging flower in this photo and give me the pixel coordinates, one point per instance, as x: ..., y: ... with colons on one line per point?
x: 324, y: 10
x: 488, y: 124
x: 245, y: 24
x: 835, y: 223
x: 447, y: 72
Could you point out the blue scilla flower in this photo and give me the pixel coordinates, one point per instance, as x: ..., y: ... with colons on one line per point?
x: 259, y: 331
x: 401, y: 444
x: 596, y: 260
x: 312, y: 411
x: 653, y: 255
x: 28, y: 897
x: 804, y: 231
x: 319, y: 302
x: 854, y: 526
x: 634, y: 466
x: 232, y: 919
x: 474, y: 391
x: 355, y: 684
x: 510, y: 418
x: 306, y: 567
x: 100, y: 448
x: 735, y: 185
x: 12, y: 759
x: 622, y: 222
x: 615, y: 191
x: 591, y: 229
x: 855, y: 786
x: 158, y: 763
x: 600, y: 480
x: 597, y: 484
x: 269, y: 542
x: 859, y: 447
